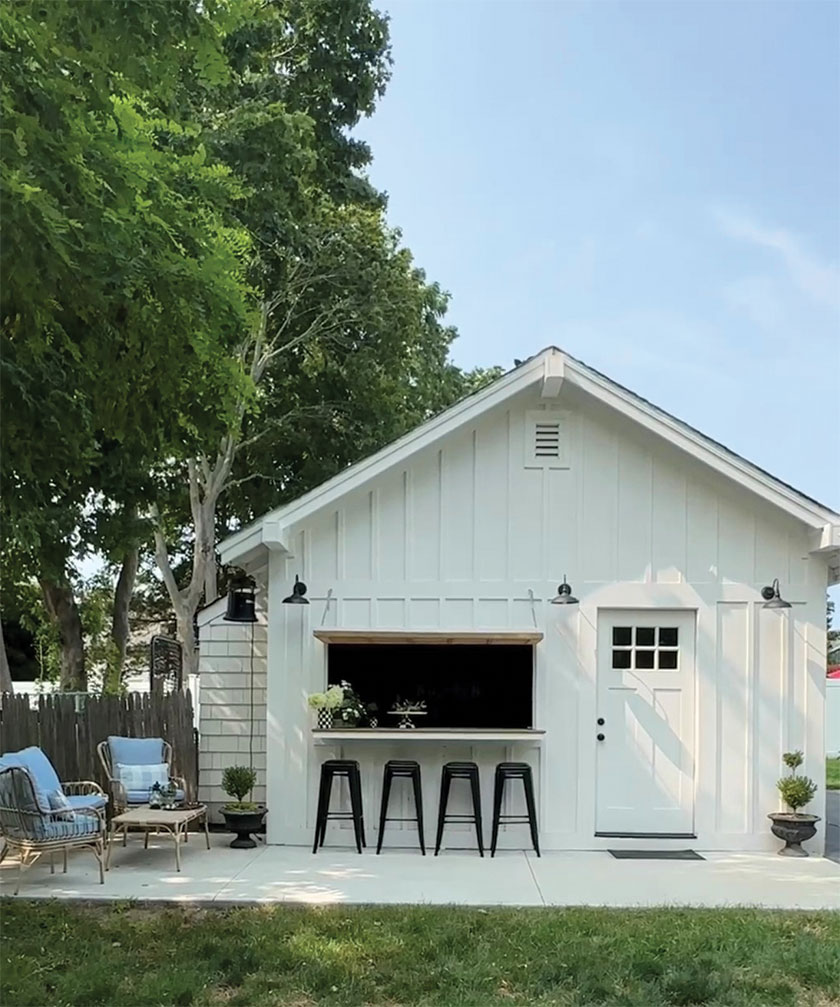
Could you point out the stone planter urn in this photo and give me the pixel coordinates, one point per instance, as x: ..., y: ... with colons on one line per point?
x: 794, y: 829
x: 243, y: 823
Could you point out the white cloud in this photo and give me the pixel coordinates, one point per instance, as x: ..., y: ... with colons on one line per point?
x: 819, y: 280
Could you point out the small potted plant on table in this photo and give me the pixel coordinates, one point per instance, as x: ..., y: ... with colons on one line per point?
x: 326, y: 706
x: 241, y: 816
x: 792, y: 826
x: 352, y: 710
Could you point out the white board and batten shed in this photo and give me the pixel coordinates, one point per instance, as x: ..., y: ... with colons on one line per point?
x: 468, y: 525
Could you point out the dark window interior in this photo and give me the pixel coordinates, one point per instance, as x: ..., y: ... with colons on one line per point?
x: 650, y: 643
x: 467, y: 685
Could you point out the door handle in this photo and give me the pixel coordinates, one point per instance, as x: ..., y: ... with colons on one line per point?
x: 600, y: 737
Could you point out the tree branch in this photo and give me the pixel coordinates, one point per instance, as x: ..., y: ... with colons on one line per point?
x: 165, y: 567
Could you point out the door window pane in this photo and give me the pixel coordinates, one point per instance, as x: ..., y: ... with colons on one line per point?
x: 645, y: 648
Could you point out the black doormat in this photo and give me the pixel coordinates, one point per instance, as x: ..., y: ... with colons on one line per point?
x: 655, y: 855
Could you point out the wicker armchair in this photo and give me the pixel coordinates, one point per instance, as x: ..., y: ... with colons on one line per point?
x: 134, y: 751
x: 32, y: 831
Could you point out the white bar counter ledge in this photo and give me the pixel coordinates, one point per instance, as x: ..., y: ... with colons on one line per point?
x: 420, y: 734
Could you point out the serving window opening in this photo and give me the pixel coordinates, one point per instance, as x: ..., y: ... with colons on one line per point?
x: 465, y: 686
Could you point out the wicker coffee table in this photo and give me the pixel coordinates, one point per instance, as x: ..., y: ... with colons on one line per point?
x: 175, y: 823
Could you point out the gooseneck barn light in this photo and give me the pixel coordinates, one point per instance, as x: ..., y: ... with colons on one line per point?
x: 772, y: 598
x: 564, y: 595
x: 297, y: 595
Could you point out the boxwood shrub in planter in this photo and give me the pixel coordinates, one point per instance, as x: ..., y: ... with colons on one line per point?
x: 793, y: 826
x: 241, y: 816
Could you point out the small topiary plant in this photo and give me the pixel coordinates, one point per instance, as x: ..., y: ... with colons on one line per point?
x: 796, y: 791
x: 237, y: 781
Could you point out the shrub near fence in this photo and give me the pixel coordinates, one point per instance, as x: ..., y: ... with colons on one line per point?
x: 69, y: 736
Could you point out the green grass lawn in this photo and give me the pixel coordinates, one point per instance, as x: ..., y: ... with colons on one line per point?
x: 431, y: 956
x: 832, y: 774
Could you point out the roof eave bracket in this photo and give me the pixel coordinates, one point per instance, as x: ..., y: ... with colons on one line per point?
x: 554, y: 372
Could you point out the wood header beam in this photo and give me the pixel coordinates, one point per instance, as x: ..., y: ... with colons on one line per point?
x: 441, y: 638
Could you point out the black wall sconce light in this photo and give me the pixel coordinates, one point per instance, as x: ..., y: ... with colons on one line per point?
x: 241, y: 602
x: 772, y: 598
x: 564, y: 595
x: 298, y: 593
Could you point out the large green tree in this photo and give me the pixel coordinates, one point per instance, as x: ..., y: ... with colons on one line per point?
x: 175, y: 163
x: 123, y: 286
x: 351, y: 349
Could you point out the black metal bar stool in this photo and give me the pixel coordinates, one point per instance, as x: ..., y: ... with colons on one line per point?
x: 514, y: 771
x: 459, y: 771
x: 403, y: 769
x: 349, y: 769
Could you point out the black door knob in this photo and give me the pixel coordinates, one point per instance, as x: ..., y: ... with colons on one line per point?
x: 600, y: 737
x: 600, y: 722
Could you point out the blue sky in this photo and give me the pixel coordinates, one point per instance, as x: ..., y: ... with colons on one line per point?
x: 654, y: 187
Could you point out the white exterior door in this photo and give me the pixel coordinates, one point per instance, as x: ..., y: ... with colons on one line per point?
x: 645, y: 745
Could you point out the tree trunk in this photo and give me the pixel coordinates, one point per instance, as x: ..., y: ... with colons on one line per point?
x: 211, y: 584
x: 206, y: 485
x: 119, y: 622
x: 186, y: 637
x: 5, y: 674
x: 62, y: 608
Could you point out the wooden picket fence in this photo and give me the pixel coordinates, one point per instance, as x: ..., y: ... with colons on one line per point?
x: 68, y: 727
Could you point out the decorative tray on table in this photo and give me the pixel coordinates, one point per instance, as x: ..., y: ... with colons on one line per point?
x: 407, y: 711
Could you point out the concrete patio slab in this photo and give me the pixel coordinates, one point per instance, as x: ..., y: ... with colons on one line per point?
x: 395, y: 876
x: 337, y: 876
x: 722, y: 879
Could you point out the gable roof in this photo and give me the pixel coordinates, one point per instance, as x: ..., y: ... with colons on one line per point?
x: 549, y: 369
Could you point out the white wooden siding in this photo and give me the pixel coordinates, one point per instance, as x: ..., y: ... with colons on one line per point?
x: 225, y: 737
x: 457, y: 538
x: 628, y: 509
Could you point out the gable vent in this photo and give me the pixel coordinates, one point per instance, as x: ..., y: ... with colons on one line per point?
x: 547, y: 439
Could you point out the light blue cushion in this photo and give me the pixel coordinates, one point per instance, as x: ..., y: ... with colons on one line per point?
x: 135, y: 751
x: 81, y: 825
x: 87, y: 801
x: 142, y: 796
x: 17, y: 789
x: 40, y: 770
x: 10, y: 759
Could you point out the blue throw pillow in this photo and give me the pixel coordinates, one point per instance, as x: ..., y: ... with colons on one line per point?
x: 58, y: 802
x: 142, y: 777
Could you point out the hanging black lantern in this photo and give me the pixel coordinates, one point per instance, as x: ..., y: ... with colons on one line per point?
x: 241, y: 602
x: 772, y: 597
x: 564, y: 595
x: 297, y: 595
